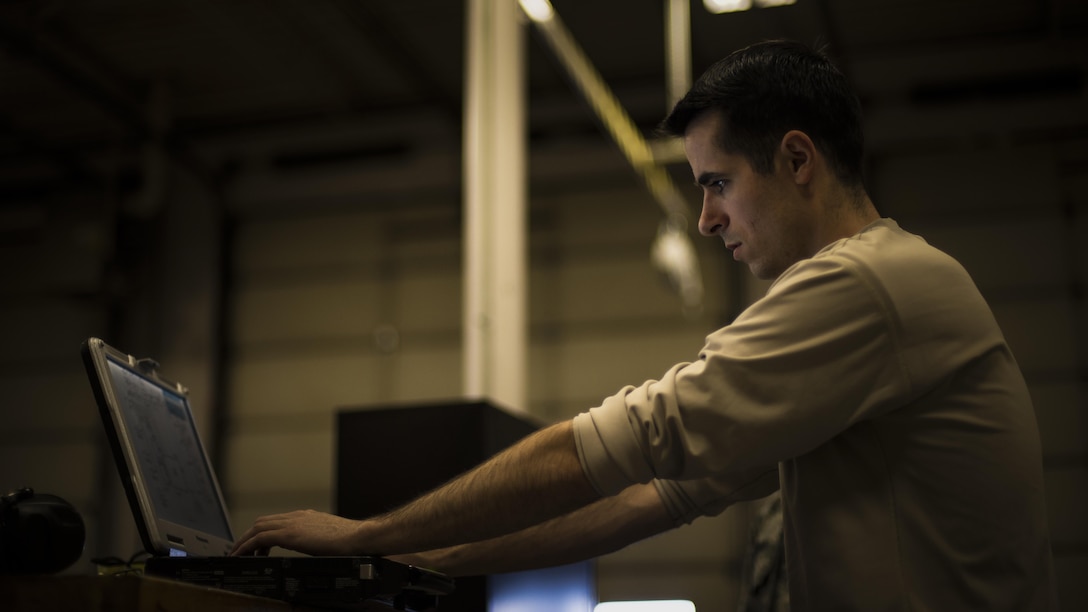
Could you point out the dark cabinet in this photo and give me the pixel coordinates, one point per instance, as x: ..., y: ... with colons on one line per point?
x: 389, y: 455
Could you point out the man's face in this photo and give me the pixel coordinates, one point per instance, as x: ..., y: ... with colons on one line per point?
x: 760, y: 218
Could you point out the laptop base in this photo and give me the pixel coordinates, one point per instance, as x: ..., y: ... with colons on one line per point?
x: 338, y: 583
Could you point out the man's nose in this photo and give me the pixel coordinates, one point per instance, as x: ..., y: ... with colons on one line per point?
x: 712, y: 220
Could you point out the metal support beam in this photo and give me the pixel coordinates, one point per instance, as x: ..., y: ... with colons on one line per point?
x: 496, y: 269
x: 677, y: 50
x: 672, y: 252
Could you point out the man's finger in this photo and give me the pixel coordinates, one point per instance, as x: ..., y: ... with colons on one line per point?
x: 251, y: 543
x: 263, y: 524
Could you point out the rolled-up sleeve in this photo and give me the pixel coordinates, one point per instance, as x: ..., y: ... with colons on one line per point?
x: 687, y: 500
x: 610, y: 452
x: 684, y: 500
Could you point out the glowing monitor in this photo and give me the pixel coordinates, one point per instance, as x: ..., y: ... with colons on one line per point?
x: 670, y: 605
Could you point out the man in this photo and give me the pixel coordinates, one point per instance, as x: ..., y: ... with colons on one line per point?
x: 871, y: 384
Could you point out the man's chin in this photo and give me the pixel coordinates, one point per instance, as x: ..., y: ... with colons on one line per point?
x: 763, y: 271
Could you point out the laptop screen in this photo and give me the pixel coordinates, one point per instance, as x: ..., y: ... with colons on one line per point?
x: 167, y: 448
x: 170, y: 484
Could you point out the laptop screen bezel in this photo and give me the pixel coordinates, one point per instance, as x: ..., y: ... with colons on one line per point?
x: 160, y: 536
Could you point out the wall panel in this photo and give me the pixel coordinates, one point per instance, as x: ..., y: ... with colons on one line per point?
x: 307, y: 381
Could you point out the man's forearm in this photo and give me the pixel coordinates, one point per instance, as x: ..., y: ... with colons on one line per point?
x: 594, y: 530
x: 533, y: 481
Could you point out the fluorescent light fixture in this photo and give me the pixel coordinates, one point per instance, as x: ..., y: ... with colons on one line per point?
x: 537, y: 10
x: 732, y: 6
x: 670, y: 605
x: 727, y: 6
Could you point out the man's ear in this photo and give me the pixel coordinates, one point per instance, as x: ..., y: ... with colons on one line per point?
x: 800, y: 154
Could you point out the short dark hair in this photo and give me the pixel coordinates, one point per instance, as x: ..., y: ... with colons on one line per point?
x: 770, y: 88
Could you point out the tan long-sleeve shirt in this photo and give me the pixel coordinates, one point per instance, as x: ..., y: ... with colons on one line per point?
x: 875, y: 381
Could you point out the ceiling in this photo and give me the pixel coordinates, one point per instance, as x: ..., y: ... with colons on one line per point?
x: 86, y: 86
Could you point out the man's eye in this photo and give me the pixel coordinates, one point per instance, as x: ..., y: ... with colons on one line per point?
x: 718, y: 186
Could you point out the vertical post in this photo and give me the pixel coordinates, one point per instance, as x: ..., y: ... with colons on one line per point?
x: 496, y: 269
x: 678, y: 49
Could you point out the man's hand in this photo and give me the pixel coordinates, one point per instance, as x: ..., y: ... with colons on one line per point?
x: 306, y: 531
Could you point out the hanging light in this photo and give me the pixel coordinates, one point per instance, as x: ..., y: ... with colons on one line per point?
x: 537, y: 10
x: 727, y: 6
x: 732, y: 6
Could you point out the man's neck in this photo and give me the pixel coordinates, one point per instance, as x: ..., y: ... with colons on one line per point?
x: 844, y: 214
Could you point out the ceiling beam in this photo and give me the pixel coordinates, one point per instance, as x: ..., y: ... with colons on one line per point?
x: 41, y: 46
x: 388, y: 41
